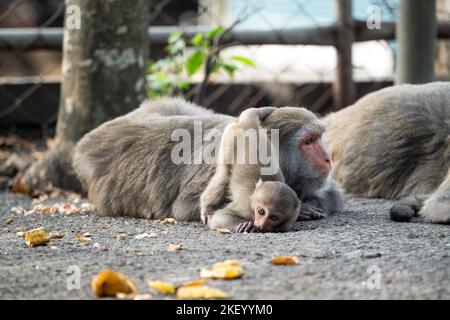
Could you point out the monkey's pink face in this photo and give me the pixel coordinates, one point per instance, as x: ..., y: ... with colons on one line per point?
x: 311, y: 145
x: 267, y: 219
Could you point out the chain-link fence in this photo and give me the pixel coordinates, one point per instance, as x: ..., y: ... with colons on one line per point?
x: 291, y: 43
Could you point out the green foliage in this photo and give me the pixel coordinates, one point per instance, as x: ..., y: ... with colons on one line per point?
x: 173, y: 74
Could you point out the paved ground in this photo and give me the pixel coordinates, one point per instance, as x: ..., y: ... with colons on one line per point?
x: 343, y: 257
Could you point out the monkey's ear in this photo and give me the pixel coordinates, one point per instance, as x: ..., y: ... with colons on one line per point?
x: 258, y: 183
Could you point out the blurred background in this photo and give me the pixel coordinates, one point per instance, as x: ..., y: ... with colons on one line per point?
x: 312, y: 53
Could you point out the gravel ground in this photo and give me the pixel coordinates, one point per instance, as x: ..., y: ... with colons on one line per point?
x: 342, y: 257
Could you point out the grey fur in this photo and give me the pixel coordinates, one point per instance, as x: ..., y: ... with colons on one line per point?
x: 395, y: 143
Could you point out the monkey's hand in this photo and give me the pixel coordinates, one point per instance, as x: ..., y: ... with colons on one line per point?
x: 246, y: 227
x: 309, y: 212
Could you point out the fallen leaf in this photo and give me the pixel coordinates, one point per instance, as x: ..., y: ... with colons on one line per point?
x: 122, y: 237
x: 201, y: 292
x: 284, y: 260
x: 162, y: 287
x: 174, y: 247
x: 145, y: 235
x: 109, y: 283
x: 167, y: 221
x: 144, y: 253
x: 228, y: 269
x: 18, y: 210
x: 19, y: 186
x: 36, y: 237
x: 9, y: 221
x: 223, y: 230
x: 83, y: 239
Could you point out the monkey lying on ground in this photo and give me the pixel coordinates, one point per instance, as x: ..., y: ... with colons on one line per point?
x: 231, y: 200
x: 395, y: 144
x: 126, y: 164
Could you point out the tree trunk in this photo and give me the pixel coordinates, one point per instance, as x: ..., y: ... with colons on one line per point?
x: 103, y: 77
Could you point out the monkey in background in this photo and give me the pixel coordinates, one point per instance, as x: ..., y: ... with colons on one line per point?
x: 395, y: 144
x: 125, y: 164
x: 236, y: 198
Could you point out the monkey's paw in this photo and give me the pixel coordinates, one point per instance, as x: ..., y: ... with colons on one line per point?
x: 308, y: 213
x: 247, y: 227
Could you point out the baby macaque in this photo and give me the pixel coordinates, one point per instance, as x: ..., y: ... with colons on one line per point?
x: 231, y: 200
x: 275, y: 208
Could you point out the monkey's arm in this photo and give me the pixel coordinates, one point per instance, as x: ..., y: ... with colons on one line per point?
x: 215, y: 194
x: 252, y: 114
x: 228, y: 219
x: 328, y: 200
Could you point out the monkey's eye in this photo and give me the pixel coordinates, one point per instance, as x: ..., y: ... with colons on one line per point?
x: 274, y: 218
x: 309, y: 141
x: 261, y: 211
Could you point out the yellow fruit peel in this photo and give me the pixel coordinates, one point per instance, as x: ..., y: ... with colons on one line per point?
x: 228, y: 269
x: 109, y: 283
x: 201, y: 292
x: 284, y: 260
x: 162, y: 287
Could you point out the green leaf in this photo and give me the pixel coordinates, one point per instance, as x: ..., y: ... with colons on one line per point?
x: 216, y: 66
x: 197, y: 40
x: 194, y: 62
x: 177, y: 47
x: 229, y: 68
x: 175, y: 36
x: 215, y: 32
x: 244, y: 60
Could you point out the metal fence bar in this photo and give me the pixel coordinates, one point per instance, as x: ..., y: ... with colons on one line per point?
x: 51, y: 38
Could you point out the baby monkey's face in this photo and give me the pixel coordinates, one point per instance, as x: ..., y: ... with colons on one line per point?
x: 275, y: 206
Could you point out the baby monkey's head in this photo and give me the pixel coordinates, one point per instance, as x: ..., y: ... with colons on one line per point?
x: 275, y: 206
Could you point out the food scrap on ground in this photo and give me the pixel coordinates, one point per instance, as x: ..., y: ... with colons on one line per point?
x: 284, y: 260
x: 109, y: 283
x: 162, y: 287
x: 201, y: 292
x: 228, y: 269
x: 36, y: 237
x: 223, y: 231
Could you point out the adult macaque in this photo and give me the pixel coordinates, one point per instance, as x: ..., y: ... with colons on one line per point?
x: 127, y: 167
x: 395, y: 144
x: 236, y: 198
